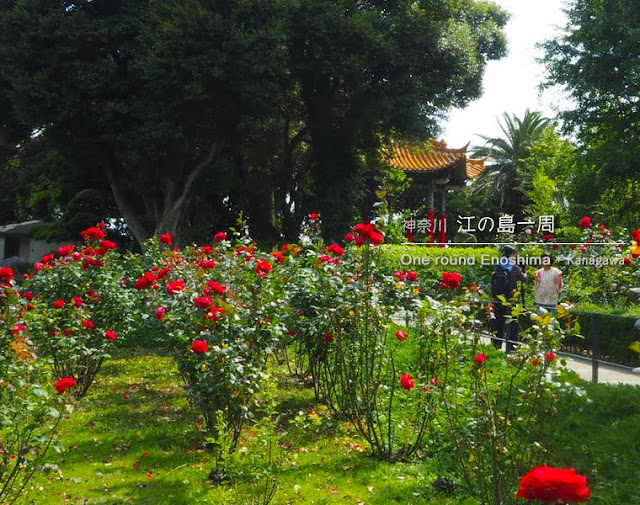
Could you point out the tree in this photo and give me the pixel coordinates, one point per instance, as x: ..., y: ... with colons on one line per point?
x: 597, y: 61
x: 181, y: 114
x: 377, y: 67
x: 142, y: 97
x: 503, y: 178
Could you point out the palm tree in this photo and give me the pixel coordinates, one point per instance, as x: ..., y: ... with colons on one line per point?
x: 503, y: 179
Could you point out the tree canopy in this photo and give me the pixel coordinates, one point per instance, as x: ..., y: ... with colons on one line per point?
x: 178, y: 115
x: 597, y: 61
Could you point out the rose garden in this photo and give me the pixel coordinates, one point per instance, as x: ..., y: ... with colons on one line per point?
x: 308, y: 373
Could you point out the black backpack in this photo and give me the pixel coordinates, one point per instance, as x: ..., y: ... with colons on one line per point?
x: 500, y: 282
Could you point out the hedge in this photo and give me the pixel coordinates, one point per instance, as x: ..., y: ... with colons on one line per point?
x: 472, y: 263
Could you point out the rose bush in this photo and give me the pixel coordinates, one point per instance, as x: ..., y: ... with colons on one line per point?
x: 29, y: 409
x: 81, y: 307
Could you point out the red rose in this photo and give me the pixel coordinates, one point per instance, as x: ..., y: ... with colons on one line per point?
x: 291, y: 332
x: 406, y: 381
x: 92, y: 233
x: 398, y: 275
x: 479, y: 358
x: 411, y: 276
x: 349, y: 237
x: 553, y: 484
x: 67, y: 332
x: 166, y: 238
x: 175, y: 286
x: 218, y: 289
x: 6, y: 275
x: 65, y: 250
x: 278, y: 256
x: 203, y: 302
x: 87, y: 324
x: 314, y: 215
x: 106, y: 245
x: 163, y: 273
x: 549, y: 357
x: 549, y: 236
x: 335, y: 249
x: 263, y: 268
x: 160, y: 311
x: 77, y: 301
x: 110, y: 335
x: 585, y: 222
x: 220, y: 236
x: 401, y: 335
x: 433, y: 381
x: 206, y: 264
x: 328, y: 337
x: 65, y: 383
x: 27, y: 295
x: 367, y: 233
x: 47, y: 258
x: 199, y: 347
x: 58, y: 304
x: 627, y: 260
x: 450, y: 280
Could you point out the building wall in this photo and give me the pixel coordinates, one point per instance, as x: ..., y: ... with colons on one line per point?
x: 38, y: 248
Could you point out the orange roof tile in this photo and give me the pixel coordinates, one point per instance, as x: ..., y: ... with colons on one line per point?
x: 437, y: 159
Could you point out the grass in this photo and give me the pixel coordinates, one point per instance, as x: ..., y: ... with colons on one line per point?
x: 134, y: 439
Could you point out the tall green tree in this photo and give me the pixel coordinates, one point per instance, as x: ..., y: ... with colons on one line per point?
x: 596, y: 60
x: 375, y: 67
x: 503, y: 180
x: 181, y: 114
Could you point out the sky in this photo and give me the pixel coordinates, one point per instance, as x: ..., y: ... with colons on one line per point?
x: 511, y: 84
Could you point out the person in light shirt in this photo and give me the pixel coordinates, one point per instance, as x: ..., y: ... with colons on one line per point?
x: 548, y: 284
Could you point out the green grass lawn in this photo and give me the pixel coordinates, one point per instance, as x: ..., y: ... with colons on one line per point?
x: 134, y: 439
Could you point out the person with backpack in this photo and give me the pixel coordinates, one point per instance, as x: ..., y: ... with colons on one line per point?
x: 504, y: 282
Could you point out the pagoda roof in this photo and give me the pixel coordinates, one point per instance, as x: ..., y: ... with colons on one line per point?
x: 436, y: 161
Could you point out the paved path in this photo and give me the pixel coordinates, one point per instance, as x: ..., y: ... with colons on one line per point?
x: 606, y: 373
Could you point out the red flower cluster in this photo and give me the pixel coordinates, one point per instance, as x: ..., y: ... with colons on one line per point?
x: 145, y: 281
x: 635, y: 234
x: 58, y: 304
x: 110, y: 335
x: 585, y: 222
x: 401, y: 335
x: 314, y: 216
x: 349, y: 237
x: 88, y: 324
x: 77, y: 301
x: 479, y: 358
x: 199, y: 347
x: 166, y: 238
x: 548, y: 236
x: 406, y: 381
x: 398, y: 275
x: 220, y: 236
x: 160, y: 312
x: 554, y: 484
x: 328, y: 337
x: 263, y: 268
x: 450, y: 280
x: 218, y: 289
x: 411, y: 276
x: 278, y: 256
x: 366, y: 233
x: 65, y: 383
x: 92, y: 233
x: 549, y: 357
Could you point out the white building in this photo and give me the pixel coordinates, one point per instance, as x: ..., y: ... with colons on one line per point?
x: 16, y: 242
